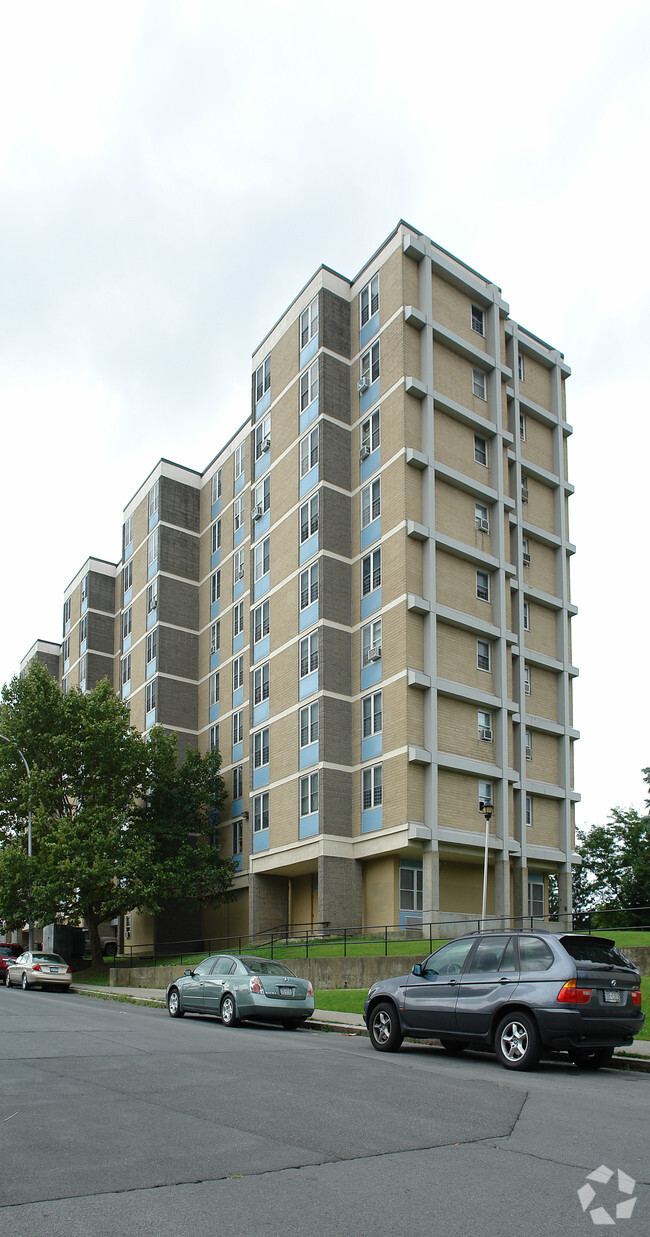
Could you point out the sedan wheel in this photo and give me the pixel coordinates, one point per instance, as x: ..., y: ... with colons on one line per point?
x: 174, y: 1004
x: 591, y: 1059
x: 24, y: 982
x: 517, y: 1042
x: 384, y: 1028
x: 229, y: 1011
x: 8, y: 981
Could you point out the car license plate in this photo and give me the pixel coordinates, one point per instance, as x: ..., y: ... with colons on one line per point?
x: 612, y: 998
x: 284, y: 991
x: 54, y: 969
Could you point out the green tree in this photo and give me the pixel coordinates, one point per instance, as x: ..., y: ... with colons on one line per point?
x: 615, y: 871
x: 117, y: 823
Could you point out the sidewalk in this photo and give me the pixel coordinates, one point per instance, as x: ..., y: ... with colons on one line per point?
x: 639, y: 1050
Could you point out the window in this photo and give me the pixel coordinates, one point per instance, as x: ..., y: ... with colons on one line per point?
x: 372, y: 716
x: 483, y: 585
x: 262, y: 497
x: 369, y: 300
x: 371, y: 572
x: 485, y: 793
x: 238, y: 560
x: 370, y: 365
x: 309, y: 322
x: 524, y: 488
x: 238, y: 619
x: 520, y: 366
x: 261, y: 683
x: 261, y: 812
x: 152, y: 598
x: 478, y: 320
x: 527, y: 680
x: 370, y: 432
x: 371, y: 642
x: 126, y: 669
x: 128, y: 531
x: 127, y: 583
x: 526, y: 616
x: 410, y: 889
x: 485, y: 725
x: 309, y: 518
x: 480, y: 450
x: 84, y: 588
x: 214, y: 688
x: 64, y: 685
x: 309, y: 386
x: 237, y: 781
x: 262, y: 558
x: 83, y: 628
x: 214, y: 738
x: 261, y: 748
x: 237, y: 837
x: 263, y: 379
x: 126, y: 623
x: 371, y: 786
x: 370, y: 502
x: 238, y: 672
x: 151, y: 696
x: 525, y: 549
x: 151, y: 646
x: 479, y: 384
x: 238, y: 513
x: 216, y: 536
x: 215, y: 637
x: 66, y: 604
x: 308, y: 654
x: 309, y: 724
x: 309, y: 794
x: 308, y: 452
x: 240, y: 460
x: 216, y: 486
x: 308, y: 586
x: 66, y: 649
x: 482, y: 517
x: 528, y: 740
x: 238, y: 726
x: 262, y: 437
x: 152, y: 547
x: 215, y: 586
x: 529, y: 810
x: 522, y: 426
x: 534, y: 954
x: 261, y: 624
x: 483, y: 654
x: 154, y: 498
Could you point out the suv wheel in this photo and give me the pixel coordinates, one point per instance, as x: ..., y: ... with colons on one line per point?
x: 384, y: 1028
x: 517, y: 1043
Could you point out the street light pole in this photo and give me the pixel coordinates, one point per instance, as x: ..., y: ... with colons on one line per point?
x: 29, y: 823
x: 486, y: 808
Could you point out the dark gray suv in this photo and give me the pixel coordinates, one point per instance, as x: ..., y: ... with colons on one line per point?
x: 516, y: 992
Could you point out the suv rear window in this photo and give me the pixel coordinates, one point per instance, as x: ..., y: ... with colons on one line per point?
x: 594, y: 951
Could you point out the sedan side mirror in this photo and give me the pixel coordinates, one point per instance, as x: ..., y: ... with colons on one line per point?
x: 188, y: 972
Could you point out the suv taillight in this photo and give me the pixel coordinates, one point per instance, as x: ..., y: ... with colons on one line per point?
x: 636, y: 996
x: 570, y: 994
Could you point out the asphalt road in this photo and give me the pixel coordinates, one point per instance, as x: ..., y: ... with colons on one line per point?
x: 118, y: 1121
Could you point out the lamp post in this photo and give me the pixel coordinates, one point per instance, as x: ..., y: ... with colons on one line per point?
x: 29, y: 822
x: 486, y: 808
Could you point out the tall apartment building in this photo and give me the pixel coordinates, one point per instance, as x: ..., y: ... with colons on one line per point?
x: 364, y: 602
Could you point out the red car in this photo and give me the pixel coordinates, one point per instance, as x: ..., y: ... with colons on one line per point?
x: 7, y: 954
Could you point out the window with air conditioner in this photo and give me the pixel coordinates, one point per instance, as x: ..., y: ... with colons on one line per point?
x: 485, y: 725
x: 262, y: 436
x: 370, y: 434
x: 369, y: 367
x: 482, y: 517
x: 262, y: 497
x: 527, y: 680
x: 528, y: 742
x: 238, y: 562
x: 371, y: 642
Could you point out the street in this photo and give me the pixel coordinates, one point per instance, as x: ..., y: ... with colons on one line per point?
x: 118, y: 1121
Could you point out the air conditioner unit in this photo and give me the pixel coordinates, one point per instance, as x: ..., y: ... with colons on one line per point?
x: 239, y: 574
x: 483, y: 526
x: 213, y: 648
x: 529, y: 753
x: 265, y: 444
x: 364, y: 452
x: 154, y: 601
x: 524, y: 493
x: 363, y: 383
x: 257, y: 512
x: 374, y: 654
x: 485, y: 733
x: 526, y: 560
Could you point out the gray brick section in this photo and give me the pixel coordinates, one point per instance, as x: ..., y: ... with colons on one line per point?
x: 99, y: 668
x: 178, y: 603
x: 269, y: 903
x: 335, y: 590
x: 334, y: 393
x: 334, y: 323
x: 102, y: 592
x: 178, y: 653
x: 335, y: 454
x: 335, y: 517
x: 101, y: 633
x: 335, y: 801
x: 178, y: 553
x: 179, y: 504
x: 51, y: 663
x: 335, y: 730
x: 339, y: 891
x: 177, y: 704
x: 335, y: 662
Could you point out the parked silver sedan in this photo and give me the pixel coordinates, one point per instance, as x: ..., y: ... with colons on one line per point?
x: 39, y: 970
x: 237, y: 988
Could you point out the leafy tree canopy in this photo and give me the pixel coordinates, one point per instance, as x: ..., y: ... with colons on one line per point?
x: 118, y: 824
x: 615, y: 872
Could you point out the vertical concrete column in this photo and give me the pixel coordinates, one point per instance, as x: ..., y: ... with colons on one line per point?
x: 563, y: 651
x: 339, y: 891
x: 268, y: 902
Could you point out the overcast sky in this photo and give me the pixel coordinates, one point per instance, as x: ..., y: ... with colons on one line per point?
x: 171, y: 174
